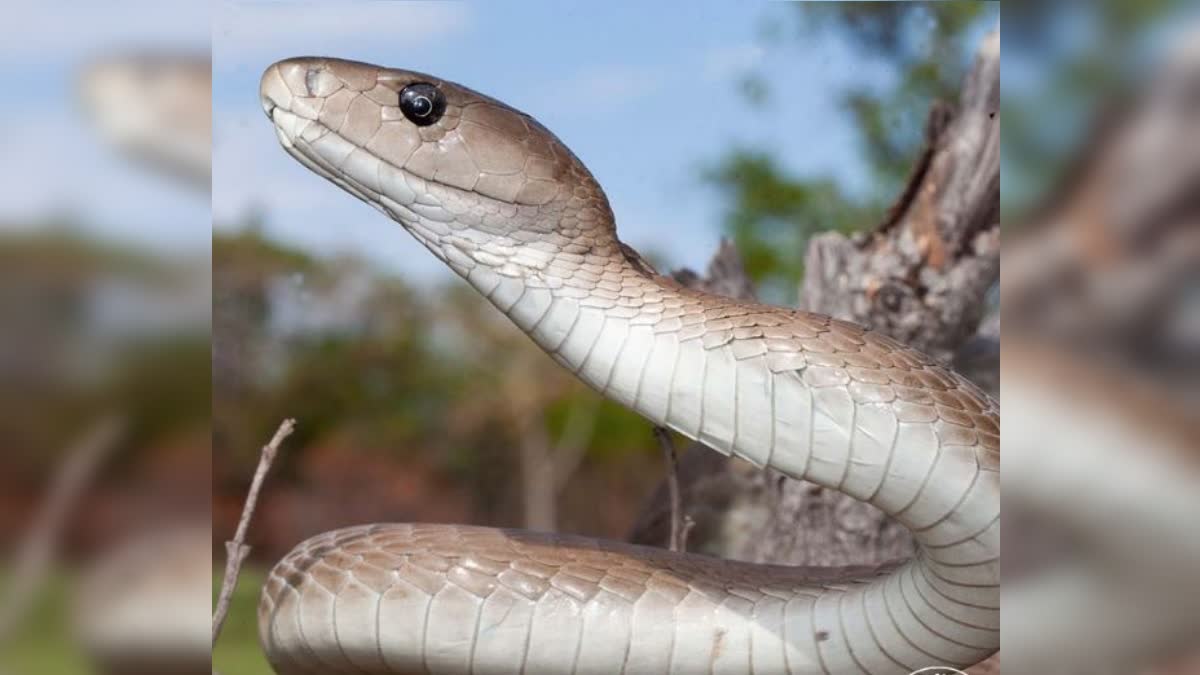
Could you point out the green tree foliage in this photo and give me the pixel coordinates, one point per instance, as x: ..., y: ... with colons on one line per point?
x: 770, y: 212
x: 84, y: 340
x: 429, y: 382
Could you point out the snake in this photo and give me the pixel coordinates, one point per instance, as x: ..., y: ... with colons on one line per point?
x: 508, y: 207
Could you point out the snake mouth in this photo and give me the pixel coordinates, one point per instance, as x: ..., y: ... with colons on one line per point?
x: 293, y: 94
x: 418, y: 205
x: 329, y: 155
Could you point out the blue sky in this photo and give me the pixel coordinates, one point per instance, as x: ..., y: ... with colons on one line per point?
x: 51, y: 161
x: 643, y: 92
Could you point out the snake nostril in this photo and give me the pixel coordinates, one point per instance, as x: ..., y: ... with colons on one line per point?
x: 312, y: 80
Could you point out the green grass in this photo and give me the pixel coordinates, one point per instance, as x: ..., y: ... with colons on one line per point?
x: 237, y: 651
x: 42, y: 643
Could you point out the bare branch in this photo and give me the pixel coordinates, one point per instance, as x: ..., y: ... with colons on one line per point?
x: 686, y: 531
x: 726, y: 275
x: 34, y: 555
x: 677, y: 526
x: 923, y: 275
x: 706, y: 476
x: 236, y: 549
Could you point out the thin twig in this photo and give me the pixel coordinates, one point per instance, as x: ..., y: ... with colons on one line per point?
x: 236, y: 549
x: 678, y: 529
x: 686, y: 531
x: 35, y: 553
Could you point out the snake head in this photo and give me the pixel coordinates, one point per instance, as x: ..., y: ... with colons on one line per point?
x: 435, y: 156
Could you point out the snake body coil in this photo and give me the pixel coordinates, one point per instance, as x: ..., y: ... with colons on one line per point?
x: 504, y: 203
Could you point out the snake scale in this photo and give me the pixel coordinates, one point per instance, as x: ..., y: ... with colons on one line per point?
x: 505, y: 204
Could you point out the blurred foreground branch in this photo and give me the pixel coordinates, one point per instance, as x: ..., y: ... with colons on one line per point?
x: 1100, y: 370
x: 35, y: 554
x: 236, y: 549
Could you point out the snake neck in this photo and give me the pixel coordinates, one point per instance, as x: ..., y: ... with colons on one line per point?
x: 777, y: 388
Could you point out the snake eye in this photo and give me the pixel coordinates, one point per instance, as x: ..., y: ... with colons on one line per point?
x: 422, y: 103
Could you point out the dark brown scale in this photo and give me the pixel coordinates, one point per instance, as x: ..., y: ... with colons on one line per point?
x: 954, y: 416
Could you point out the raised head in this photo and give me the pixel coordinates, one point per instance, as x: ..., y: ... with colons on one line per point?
x: 447, y: 163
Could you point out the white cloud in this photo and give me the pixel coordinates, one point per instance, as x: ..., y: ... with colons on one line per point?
x: 249, y: 31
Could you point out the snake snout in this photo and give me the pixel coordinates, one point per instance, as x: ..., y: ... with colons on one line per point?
x: 302, y: 77
x: 271, y: 89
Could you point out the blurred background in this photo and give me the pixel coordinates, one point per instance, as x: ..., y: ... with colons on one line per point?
x: 157, y: 332
x: 1099, y: 376
x: 104, y: 354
